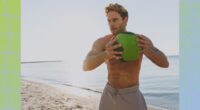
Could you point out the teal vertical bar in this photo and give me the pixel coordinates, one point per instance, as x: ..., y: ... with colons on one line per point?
x: 189, y: 54
x: 10, y: 55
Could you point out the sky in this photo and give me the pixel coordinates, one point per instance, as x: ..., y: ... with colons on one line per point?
x: 66, y: 29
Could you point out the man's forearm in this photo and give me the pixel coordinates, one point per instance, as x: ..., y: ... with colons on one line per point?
x: 157, y: 57
x: 93, y: 61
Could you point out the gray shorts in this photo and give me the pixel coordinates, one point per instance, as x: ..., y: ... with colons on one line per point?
x: 122, y: 99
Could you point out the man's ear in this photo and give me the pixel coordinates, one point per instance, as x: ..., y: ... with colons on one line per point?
x: 125, y: 20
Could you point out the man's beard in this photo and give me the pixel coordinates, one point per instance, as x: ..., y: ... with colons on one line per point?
x: 122, y: 28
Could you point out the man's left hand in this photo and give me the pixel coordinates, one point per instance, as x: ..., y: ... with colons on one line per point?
x: 144, y: 43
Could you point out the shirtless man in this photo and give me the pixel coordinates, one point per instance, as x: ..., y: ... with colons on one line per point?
x: 122, y: 89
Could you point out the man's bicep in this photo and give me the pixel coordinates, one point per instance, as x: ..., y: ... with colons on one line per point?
x: 92, y: 52
x: 96, y: 48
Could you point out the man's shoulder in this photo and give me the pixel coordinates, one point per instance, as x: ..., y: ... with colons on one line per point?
x: 105, y: 38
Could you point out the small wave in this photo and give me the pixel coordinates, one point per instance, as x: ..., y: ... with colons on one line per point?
x: 88, y: 89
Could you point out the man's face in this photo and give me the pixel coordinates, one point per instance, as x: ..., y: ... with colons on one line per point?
x: 116, y: 23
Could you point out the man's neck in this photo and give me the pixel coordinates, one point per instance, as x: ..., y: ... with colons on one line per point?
x: 124, y: 30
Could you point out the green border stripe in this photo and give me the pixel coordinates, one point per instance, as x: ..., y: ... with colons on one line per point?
x: 189, y: 54
x: 10, y: 55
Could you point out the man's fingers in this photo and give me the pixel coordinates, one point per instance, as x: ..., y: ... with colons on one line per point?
x: 141, y: 41
x: 142, y: 37
x: 116, y: 46
x: 119, y: 53
x: 117, y: 57
x: 113, y: 40
x: 142, y: 46
x: 114, y: 54
x: 145, y: 41
x: 141, y: 52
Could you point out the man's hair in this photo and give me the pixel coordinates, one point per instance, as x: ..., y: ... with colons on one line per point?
x: 117, y: 8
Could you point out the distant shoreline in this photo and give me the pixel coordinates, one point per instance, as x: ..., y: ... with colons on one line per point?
x: 47, y: 61
x: 42, y: 61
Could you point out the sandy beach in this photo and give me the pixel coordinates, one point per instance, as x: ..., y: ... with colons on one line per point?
x: 39, y: 96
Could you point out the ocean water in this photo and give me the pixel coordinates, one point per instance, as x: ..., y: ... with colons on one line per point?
x: 160, y: 86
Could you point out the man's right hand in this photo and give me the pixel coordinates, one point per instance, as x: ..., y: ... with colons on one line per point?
x: 110, y: 50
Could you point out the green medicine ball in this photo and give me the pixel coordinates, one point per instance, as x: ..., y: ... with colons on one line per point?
x: 130, y: 50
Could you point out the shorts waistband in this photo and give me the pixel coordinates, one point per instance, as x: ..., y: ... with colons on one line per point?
x: 123, y: 90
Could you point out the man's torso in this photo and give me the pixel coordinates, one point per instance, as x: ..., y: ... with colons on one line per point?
x: 122, y: 74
